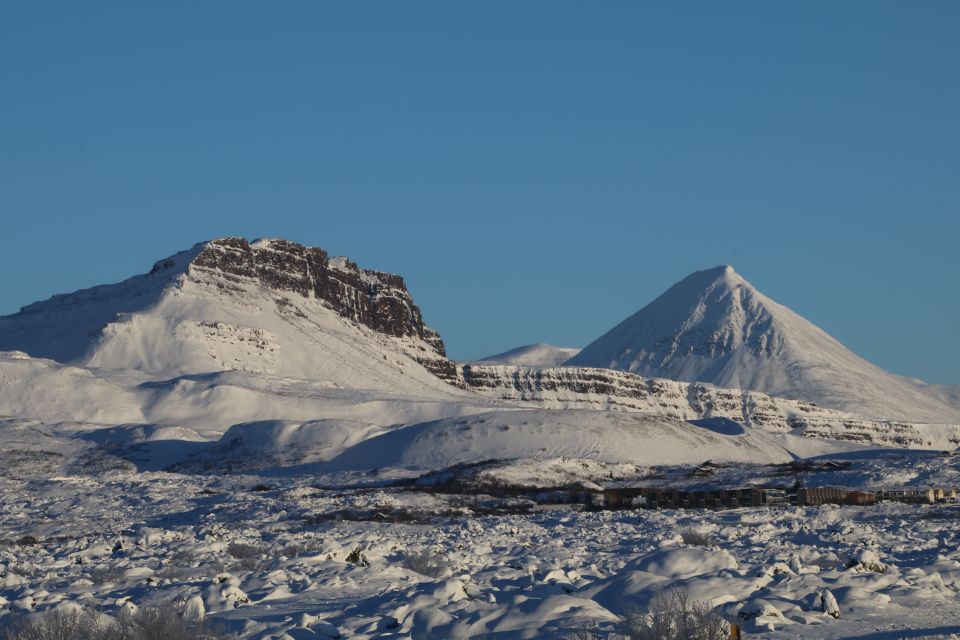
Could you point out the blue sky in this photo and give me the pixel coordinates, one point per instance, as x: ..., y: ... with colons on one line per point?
x: 536, y: 170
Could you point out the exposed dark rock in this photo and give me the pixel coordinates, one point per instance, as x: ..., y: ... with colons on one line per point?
x: 372, y: 298
x: 446, y: 370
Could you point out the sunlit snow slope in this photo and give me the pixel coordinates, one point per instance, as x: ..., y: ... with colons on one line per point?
x: 284, y: 356
x: 601, y: 435
x: 715, y: 327
x: 534, y: 355
x: 270, y: 307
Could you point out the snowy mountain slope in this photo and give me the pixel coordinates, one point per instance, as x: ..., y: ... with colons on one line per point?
x: 271, y: 307
x: 229, y: 398
x: 241, y: 420
x: 947, y: 393
x: 540, y: 354
x: 297, y: 351
x: 715, y: 327
x: 52, y: 393
x: 65, y: 327
x: 606, y: 389
x: 268, y: 444
x: 38, y: 389
x: 596, y: 435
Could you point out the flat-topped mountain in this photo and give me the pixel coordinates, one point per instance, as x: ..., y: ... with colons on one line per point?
x: 714, y: 326
x: 269, y: 306
x: 280, y: 311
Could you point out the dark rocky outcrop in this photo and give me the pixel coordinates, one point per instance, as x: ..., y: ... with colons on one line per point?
x: 375, y: 299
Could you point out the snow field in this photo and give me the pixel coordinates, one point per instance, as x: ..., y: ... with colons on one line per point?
x: 282, y: 562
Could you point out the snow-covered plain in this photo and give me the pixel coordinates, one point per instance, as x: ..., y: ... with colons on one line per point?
x: 280, y: 557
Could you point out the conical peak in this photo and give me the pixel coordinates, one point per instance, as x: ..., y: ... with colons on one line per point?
x: 722, y: 274
x: 709, y: 313
x: 709, y: 284
x: 722, y: 270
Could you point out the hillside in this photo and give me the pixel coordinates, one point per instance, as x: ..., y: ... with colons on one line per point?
x: 594, y: 435
x: 540, y: 354
x: 715, y: 327
x: 271, y: 352
x: 270, y: 307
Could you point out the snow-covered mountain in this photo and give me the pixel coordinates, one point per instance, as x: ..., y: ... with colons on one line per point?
x: 714, y: 326
x: 270, y: 307
x: 540, y: 354
x: 283, y: 356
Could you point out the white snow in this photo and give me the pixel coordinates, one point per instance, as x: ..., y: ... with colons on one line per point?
x: 596, y: 435
x: 715, y: 327
x: 540, y: 354
x: 288, y: 560
x: 260, y: 461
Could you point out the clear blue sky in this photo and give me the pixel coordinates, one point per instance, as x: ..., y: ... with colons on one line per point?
x: 536, y: 170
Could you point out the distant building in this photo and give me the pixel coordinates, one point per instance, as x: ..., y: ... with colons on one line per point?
x: 665, y: 498
x: 928, y: 496
x: 669, y: 498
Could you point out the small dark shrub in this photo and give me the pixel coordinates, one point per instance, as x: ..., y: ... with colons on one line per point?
x: 105, y: 573
x: 694, y: 537
x: 240, y: 550
x: 303, y: 548
x: 425, y: 564
x: 674, y: 616
x: 162, y: 623
x: 248, y: 555
x: 358, y: 558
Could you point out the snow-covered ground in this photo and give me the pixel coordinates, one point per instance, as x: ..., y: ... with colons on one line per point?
x: 269, y: 556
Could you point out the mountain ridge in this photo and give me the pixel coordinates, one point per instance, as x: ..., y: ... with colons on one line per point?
x: 270, y: 306
x: 280, y: 308
x: 539, y: 354
x: 231, y: 332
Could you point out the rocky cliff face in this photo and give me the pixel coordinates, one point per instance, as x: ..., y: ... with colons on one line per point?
x: 375, y: 299
x: 268, y: 306
x: 582, y: 387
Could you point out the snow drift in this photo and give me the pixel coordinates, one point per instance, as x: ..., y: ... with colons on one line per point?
x: 609, y: 436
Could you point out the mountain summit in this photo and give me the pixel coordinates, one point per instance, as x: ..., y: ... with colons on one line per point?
x: 268, y: 306
x: 540, y: 354
x: 714, y: 326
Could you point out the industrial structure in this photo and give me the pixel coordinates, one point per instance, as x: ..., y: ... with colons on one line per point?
x: 672, y: 498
